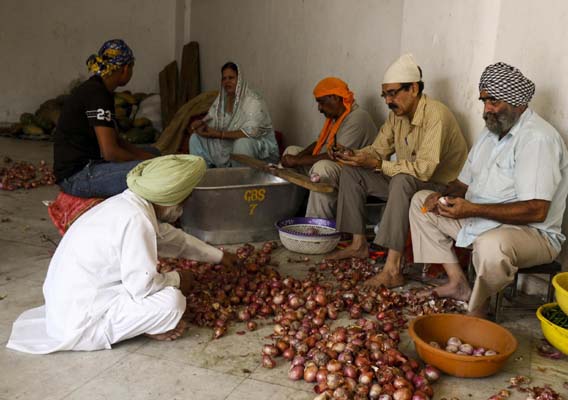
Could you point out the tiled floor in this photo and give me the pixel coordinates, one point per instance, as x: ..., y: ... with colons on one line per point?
x: 194, y: 367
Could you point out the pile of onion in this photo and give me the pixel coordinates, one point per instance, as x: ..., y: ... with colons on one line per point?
x: 22, y: 174
x: 353, y: 362
x: 456, y: 346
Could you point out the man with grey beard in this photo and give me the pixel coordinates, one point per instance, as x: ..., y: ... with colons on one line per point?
x: 508, y: 201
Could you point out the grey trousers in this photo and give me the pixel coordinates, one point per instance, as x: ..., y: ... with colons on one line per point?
x: 357, y: 183
x: 320, y: 205
x: 497, y: 254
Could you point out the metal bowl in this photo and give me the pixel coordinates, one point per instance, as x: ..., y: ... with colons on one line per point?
x: 308, y: 235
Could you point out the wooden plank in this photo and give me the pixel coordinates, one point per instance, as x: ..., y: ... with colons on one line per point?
x: 169, y: 92
x: 287, y: 174
x: 190, y: 77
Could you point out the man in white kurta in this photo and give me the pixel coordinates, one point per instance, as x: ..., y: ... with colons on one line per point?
x: 102, y: 285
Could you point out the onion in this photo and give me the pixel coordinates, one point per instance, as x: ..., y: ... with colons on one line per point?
x: 278, y: 299
x: 427, y: 390
x: 490, y: 353
x: 267, y: 361
x: 270, y: 350
x: 419, y: 381
x: 320, y: 358
x: 435, y: 345
x: 366, y: 377
x: 251, y: 325
x: 402, y: 394
x: 350, y: 371
x: 298, y: 360
x: 340, y: 393
x: 418, y: 395
x: 400, y: 382
x: 321, y: 376
x: 334, y: 380
x: 454, y: 341
x: 452, y: 348
x: 431, y: 373
x: 333, y: 366
x: 375, y: 391
x: 479, y: 351
x: 296, y: 373
x: 219, y: 331
x: 310, y: 373
x: 466, y: 348
x: 289, y: 354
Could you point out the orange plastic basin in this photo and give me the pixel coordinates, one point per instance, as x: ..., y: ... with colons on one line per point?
x: 475, y: 331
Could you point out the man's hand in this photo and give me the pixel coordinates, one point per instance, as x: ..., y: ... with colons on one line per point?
x: 457, y: 208
x: 198, y: 124
x: 359, y: 159
x: 186, y: 281
x: 229, y: 260
x: 431, y: 203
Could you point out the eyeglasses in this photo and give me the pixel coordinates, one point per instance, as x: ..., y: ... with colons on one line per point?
x: 491, y: 100
x: 392, y: 93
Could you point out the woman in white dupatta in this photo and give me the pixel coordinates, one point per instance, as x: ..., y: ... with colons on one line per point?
x: 237, y: 122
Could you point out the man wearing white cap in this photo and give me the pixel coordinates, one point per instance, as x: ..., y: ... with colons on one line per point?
x: 508, y: 201
x: 102, y: 285
x: 430, y: 151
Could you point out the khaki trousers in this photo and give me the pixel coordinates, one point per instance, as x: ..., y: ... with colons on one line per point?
x: 358, y: 183
x: 320, y: 205
x: 497, y: 254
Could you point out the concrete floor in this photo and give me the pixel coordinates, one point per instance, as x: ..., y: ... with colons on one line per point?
x: 194, y: 367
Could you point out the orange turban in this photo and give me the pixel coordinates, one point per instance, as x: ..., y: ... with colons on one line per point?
x: 326, y: 87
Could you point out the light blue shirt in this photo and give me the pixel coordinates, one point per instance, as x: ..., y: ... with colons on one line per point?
x: 530, y: 162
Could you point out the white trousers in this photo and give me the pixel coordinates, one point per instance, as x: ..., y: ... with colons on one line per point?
x: 320, y: 205
x: 497, y: 254
x: 124, y: 319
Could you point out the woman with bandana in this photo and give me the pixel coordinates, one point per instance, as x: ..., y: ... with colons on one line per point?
x: 237, y: 122
x: 90, y: 158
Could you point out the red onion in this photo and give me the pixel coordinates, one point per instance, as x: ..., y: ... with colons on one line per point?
x: 419, y: 381
x: 418, y: 395
x: 251, y: 325
x: 334, y: 380
x: 270, y: 350
x: 402, y: 394
x: 267, y: 361
x: 375, y: 391
x: 278, y: 299
x: 340, y: 393
x: 333, y: 366
x: 219, y: 331
x: 427, y: 390
x: 350, y: 371
x: 296, y: 373
x: 321, y: 376
x: 466, y: 348
x: 310, y: 373
x: 289, y: 354
x: 366, y: 377
x: 400, y: 382
x: 479, y: 351
x: 431, y: 373
x: 385, y: 396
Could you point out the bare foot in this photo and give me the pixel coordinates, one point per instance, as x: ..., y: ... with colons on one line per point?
x: 459, y: 290
x: 350, y: 252
x: 385, y: 278
x: 173, y: 334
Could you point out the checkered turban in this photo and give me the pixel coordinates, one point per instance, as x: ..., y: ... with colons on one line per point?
x: 506, y: 83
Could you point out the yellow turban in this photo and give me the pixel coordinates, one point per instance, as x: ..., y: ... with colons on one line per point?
x: 166, y: 180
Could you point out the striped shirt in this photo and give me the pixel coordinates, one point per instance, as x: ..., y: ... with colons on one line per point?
x: 431, y: 147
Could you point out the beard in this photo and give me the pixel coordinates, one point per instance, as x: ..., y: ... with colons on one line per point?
x: 500, y: 123
x: 170, y: 214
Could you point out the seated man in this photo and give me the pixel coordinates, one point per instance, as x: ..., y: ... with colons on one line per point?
x: 508, y: 200
x: 237, y: 122
x: 346, y: 124
x: 102, y: 285
x: 90, y: 158
x: 430, y: 151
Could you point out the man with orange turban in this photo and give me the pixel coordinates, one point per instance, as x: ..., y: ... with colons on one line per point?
x: 430, y: 151
x: 346, y: 124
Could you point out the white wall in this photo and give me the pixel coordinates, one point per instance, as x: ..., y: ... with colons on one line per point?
x: 285, y: 47
x: 44, y: 44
